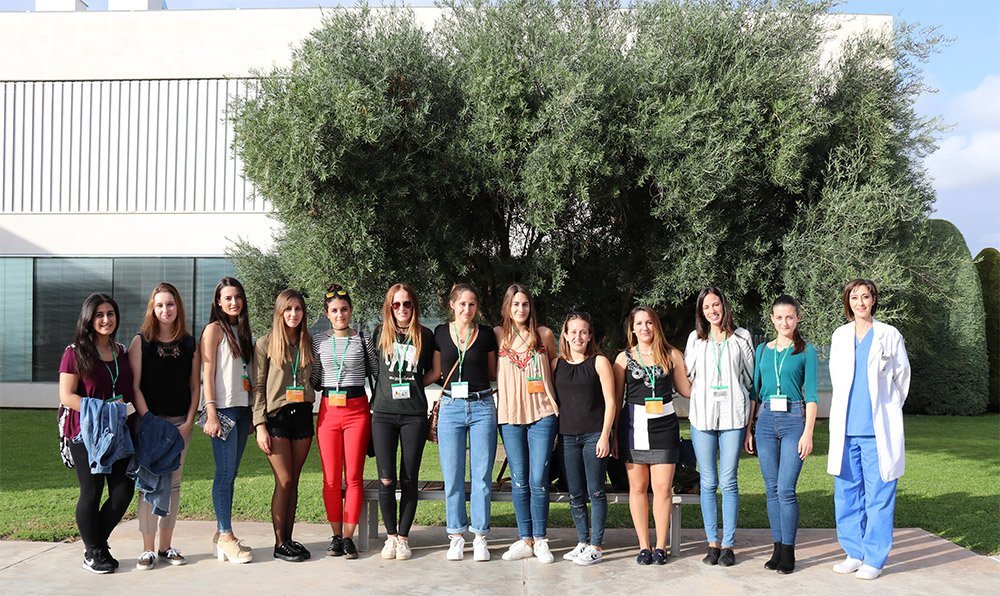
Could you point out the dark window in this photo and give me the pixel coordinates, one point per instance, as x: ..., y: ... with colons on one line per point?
x: 15, y: 319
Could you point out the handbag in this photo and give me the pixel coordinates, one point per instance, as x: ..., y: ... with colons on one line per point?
x: 62, y: 419
x: 432, y: 418
x: 225, y: 422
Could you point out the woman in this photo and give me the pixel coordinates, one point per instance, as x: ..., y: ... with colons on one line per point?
x: 283, y: 399
x: 166, y: 365
x: 646, y: 375
x: 467, y: 417
x: 784, y: 388
x: 227, y: 368
x: 870, y: 373
x: 527, y: 414
x: 585, y: 388
x: 399, y: 418
x: 719, y: 360
x: 343, y: 358
x: 95, y: 367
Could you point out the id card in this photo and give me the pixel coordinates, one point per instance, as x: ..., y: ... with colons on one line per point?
x: 246, y: 383
x: 295, y: 394
x: 337, y: 399
x: 654, y: 405
x: 460, y: 390
x: 400, y: 391
x: 535, y: 385
x: 720, y: 392
x: 779, y: 403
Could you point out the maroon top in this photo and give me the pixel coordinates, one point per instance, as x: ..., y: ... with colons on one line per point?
x: 99, y: 384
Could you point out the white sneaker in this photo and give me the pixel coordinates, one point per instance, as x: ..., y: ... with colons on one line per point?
x: 389, y: 548
x: 518, y: 550
x: 403, y: 551
x: 867, y: 572
x: 589, y: 556
x: 848, y: 565
x: 456, y: 550
x: 146, y: 561
x: 542, y: 552
x: 573, y: 554
x: 480, y: 550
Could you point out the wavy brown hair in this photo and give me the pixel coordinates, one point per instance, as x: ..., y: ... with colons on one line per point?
x: 279, y: 348
x: 389, y: 327
x: 592, y: 348
x: 701, y: 324
x: 150, y: 327
x: 661, y: 347
x: 85, y: 338
x: 507, y: 321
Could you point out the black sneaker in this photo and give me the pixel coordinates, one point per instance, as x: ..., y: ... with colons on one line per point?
x: 95, y: 562
x: 286, y: 552
x: 712, y: 557
x: 727, y: 558
x: 645, y: 557
x: 302, y: 550
x: 107, y: 555
x: 659, y: 556
x: 336, y: 548
x: 350, y: 551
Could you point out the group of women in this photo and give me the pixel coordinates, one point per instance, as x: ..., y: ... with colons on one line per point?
x: 763, y: 400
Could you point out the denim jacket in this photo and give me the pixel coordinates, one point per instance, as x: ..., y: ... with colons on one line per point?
x: 158, y: 454
x: 104, y: 434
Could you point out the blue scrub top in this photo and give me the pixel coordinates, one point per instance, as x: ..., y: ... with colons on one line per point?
x: 859, y: 403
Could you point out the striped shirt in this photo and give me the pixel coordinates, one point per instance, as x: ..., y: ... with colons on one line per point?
x: 325, y: 369
x: 707, y: 413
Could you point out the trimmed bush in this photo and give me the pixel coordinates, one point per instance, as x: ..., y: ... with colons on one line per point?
x: 988, y: 265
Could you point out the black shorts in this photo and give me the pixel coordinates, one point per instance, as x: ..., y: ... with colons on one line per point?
x: 292, y: 421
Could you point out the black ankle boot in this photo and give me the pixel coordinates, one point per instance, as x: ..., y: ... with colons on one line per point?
x: 772, y: 563
x: 787, y: 562
x: 712, y: 558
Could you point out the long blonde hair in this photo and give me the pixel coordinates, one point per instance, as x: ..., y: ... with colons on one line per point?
x: 278, y: 348
x: 388, y: 335
x: 507, y: 321
x: 661, y: 347
x: 150, y: 327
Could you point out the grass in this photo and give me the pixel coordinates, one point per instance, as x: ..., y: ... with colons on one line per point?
x: 951, y: 486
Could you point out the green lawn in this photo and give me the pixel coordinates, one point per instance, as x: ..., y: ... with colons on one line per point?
x: 951, y: 486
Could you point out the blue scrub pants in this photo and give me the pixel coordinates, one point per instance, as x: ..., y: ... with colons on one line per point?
x: 863, y: 503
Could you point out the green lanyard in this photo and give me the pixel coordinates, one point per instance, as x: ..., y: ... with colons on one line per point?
x: 295, y: 370
x: 534, y: 358
x: 778, y: 367
x: 719, y: 350
x: 461, y: 352
x: 339, y: 365
x: 401, y: 356
x: 114, y: 376
x: 650, y: 371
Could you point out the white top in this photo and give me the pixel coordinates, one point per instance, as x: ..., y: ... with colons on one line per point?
x: 229, y: 392
x: 706, y: 413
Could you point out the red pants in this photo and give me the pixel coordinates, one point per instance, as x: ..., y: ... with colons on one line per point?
x: 342, y: 434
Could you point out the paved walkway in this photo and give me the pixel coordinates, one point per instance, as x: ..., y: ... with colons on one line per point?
x: 921, y: 563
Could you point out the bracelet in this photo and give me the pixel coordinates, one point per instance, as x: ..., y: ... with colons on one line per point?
x: 210, y: 402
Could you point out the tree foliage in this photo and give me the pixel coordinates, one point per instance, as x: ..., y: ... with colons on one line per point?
x: 988, y: 266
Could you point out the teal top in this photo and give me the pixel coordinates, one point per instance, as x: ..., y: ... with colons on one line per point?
x: 798, y: 374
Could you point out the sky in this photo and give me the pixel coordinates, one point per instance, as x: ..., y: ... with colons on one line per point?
x: 965, y: 72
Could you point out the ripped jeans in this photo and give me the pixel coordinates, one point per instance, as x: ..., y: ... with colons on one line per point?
x: 529, y: 450
x: 585, y: 475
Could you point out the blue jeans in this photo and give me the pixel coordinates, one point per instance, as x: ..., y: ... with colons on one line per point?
x: 778, y: 435
x: 529, y: 449
x: 227, y: 455
x: 864, y: 503
x: 585, y: 475
x: 726, y: 445
x: 471, y: 422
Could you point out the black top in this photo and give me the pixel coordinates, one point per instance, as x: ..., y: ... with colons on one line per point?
x: 638, y: 386
x: 580, y: 397
x: 475, y: 367
x: 166, y: 376
x: 412, y: 373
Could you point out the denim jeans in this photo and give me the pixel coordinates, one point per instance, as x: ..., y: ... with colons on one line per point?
x: 529, y: 449
x: 473, y: 423
x: 227, y: 456
x: 585, y: 474
x: 778, y: 435
x: 726, y: 445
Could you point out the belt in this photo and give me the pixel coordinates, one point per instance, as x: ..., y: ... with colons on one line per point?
x: 475, y: 395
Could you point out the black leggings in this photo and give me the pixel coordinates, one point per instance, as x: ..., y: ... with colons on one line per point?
x: 410, y: 432
x: 96, y: 521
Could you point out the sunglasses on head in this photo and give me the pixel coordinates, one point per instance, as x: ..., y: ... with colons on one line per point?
x: 337, y: 294
x: 403, y: 304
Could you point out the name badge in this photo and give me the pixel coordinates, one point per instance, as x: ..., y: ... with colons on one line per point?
x: 779, y: 403
x: 654, y: 405
x: 460, y: 390
x: 720, y: 392
x: 400, y: 391
x: 246, y: 383
x: 295, y: 394
x: 535, y: 385
x: 338, y: 399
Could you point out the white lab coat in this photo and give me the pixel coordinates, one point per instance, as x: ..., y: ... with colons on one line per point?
x: 888, y: 384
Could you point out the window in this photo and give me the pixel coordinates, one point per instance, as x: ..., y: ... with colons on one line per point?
x: 15, y: 319
x: 135, y: 278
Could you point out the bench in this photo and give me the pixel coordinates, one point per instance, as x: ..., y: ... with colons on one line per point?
x: 433, y: 490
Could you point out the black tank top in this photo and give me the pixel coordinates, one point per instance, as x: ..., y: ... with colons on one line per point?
x: 166, y: 376
x: 638, y: 386
x: 580, y: 398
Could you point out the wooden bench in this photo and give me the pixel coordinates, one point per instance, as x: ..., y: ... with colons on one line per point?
x: 433, y: 490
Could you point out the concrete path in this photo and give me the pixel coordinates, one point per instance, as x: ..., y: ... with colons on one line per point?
x: 921, y: 563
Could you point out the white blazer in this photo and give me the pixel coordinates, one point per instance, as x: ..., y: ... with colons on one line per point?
x: 888, y: 384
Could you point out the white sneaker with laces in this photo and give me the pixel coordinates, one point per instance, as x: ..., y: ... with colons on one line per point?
x: 403, y: 551
x: 589, y: 556
x: 480, y: 550
x: 518, y: 550
x: 456, y: 550
x: 848, y: 565
x: 868, y: 572
x: 389, y: 548
x: 146, y: 561
x: 542, y: 552
x: 573, y: 554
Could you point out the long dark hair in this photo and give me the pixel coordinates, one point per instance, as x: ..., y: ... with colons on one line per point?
x: 786, y: 300
x: 507, y: 321
x: 85, y: 338
x: 241, y: 347
x: 701, y: 324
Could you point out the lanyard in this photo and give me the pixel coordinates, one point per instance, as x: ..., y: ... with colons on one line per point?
x: 114, y: 377
x: 295, y: 370
x: 534, y: 358
x: 401, y: 355
x: 719, y: 350
x: 461, y: 352
x: 650, y: 371
x: 339, y: 365
x: 779, y: 367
